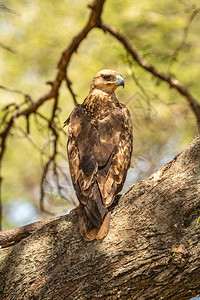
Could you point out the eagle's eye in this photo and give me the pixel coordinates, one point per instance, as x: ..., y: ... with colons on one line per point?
x: 106, y: 77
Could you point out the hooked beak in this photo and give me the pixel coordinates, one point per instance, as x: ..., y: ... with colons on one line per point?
x: 120, y: 81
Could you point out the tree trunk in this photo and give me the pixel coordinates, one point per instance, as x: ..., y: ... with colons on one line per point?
x: 152, y: 250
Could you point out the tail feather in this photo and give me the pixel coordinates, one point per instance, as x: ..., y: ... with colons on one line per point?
x: 103, y: 230
x: 95, y: 215
x: 94, y: 218
x: 88, y: 231
x: 94, y: 208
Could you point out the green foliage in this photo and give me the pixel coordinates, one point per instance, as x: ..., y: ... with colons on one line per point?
x: 39, y: 31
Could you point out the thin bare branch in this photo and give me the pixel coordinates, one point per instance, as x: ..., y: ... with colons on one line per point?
x: 3, y: 46
x: 69, y: 85
x: 9, y: 10
x: 174, y: 56
x: 11, y: 90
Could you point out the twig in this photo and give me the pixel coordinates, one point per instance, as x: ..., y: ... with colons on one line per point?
x: 69, y: 85
x: 9, y: 10
x: 184, y: 37
x: 3, y: 46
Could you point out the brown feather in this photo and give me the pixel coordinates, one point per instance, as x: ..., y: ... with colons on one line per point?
x: 99, y: 152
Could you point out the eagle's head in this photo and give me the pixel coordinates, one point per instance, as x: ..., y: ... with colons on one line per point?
x: 107, y: 81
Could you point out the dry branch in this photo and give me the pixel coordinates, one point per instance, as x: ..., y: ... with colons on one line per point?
x: 151, y: 252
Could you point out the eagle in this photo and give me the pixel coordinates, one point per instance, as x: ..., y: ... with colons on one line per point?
x: 99, y: 152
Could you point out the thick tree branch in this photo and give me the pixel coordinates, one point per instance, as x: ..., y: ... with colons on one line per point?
x: 12, y: 236
x: 173, y: 82
x: 151, y: 252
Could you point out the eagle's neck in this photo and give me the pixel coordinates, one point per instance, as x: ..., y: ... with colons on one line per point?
x: 99, y: 103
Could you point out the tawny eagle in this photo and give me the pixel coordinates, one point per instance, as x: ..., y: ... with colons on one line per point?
x: 99, y: 152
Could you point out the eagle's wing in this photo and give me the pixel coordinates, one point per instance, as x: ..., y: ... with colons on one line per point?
x: 115, y: 134
x: 99, y: 155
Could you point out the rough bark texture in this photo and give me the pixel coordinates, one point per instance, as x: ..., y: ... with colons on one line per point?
x: 151, y: 252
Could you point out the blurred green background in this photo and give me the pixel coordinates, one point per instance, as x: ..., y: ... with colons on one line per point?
x: 36, y: 33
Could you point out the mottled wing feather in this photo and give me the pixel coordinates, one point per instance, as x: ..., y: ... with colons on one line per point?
x: 99, y: 155
x: 82, y: 170
x: 113, y: 179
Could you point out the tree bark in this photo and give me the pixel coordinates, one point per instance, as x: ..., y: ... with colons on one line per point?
x: 152, y: 250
